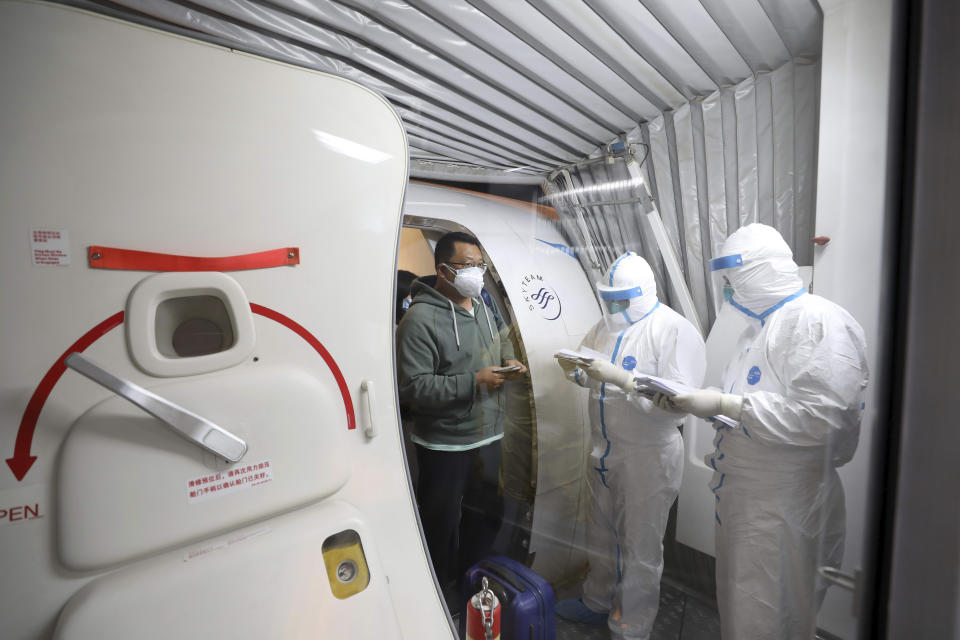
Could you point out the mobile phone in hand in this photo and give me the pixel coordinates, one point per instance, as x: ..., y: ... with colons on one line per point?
x: 509, y: 369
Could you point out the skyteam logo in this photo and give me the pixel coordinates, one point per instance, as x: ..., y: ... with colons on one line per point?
x: 629, y: 363
x: 540, y: 297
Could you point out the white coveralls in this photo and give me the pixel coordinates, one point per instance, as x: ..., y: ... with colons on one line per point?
x: 801, y: 370
x: 636, y: 455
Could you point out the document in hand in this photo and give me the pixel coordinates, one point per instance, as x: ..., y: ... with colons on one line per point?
x: 649, y: 385
x: 581, y: 358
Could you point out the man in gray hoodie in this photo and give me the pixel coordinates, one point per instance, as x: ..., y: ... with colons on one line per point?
x: 449, y: 349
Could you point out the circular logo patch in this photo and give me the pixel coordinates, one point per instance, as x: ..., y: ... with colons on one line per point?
x: 629, y: 363
x: 753, y: 376
x: 540, y: 296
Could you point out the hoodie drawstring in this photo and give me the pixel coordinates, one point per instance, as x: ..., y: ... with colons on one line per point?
x: 486, y: 314
x: 453, y: 315
x: 456, y: 331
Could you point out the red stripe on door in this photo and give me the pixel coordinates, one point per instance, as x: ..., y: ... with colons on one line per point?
x: 309, y: 337
x: 127, y: 259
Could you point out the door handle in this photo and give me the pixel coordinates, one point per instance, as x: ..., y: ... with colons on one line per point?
x: 186, y: 424
x: 837, y: 577
x: 366, y: 387
x: 844, y: 580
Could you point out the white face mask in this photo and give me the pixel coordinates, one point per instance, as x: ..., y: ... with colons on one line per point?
x: 468, y: 282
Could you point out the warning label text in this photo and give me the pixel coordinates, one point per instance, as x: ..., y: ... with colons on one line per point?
x: 243, y: 476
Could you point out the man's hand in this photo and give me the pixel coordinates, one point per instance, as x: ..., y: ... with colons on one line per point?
x: 704, y: 403
x: 487, y: 379
x: 513, y: 375
x: 608, y: 372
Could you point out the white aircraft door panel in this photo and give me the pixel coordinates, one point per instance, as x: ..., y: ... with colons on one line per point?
x: 563, y: 430
x: 268, y: 580
x: 175, y: 492
x: 554, y: 305
x: 120, y: 137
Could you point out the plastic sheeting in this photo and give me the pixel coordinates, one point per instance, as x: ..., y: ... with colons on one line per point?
x: 744, y: 153
x: 508, y: 85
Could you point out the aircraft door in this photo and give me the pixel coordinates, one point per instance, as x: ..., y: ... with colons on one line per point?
x: 193, y: 444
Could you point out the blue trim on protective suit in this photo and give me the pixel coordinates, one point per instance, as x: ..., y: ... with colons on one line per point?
x: 576, y: 376
x: 616, y: 264
x: 725, y: 262
x: 655, y: 307
x: 744, y: 310
x: 562, y: 247
x: 723, y: 477
x: 603, y: 425
x: 762, y: 316
x: 602, y: 469
x: 720, y: 457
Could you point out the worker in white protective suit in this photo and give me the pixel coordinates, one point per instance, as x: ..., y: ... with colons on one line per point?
x: 636, y: 455
x: 796, y: 384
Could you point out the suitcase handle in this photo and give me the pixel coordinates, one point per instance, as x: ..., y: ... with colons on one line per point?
x: 505, y: 577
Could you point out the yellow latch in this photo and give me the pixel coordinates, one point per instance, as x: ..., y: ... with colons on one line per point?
x: 346, y: 565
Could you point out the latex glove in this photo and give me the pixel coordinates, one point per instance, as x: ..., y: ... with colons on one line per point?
x: 662, y: 400
x: 568, y: 366
x: 608, y: 372
x: 703, y: 403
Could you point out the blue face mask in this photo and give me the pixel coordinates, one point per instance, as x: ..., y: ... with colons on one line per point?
x: 406, y: 303
x: 616, y: 306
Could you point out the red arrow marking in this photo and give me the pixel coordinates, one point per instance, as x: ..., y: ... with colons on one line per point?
x: 21, y: 461
x: 309, y: 337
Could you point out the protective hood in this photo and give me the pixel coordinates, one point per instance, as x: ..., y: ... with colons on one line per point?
x: 629, y: 278
x: 760, y: 267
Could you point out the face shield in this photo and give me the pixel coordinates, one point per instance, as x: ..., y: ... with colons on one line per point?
x: 720, y: 278
x: 617, y: 301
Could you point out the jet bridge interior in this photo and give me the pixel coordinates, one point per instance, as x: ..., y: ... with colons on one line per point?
x: 271, y: 144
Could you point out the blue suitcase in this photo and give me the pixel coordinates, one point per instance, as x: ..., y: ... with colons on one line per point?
x: 526, y: 599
